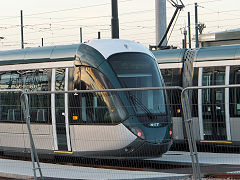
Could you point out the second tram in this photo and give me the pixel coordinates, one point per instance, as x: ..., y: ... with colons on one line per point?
x: 216, y: 112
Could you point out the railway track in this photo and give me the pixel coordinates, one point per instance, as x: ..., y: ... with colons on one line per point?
x: 125, y: 164
x: 119, y: 164
x: 209, y: 171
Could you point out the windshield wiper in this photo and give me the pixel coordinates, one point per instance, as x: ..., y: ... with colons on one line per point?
x: 135, y: 101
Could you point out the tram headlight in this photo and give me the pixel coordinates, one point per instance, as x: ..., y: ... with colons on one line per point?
x: 138, y: 132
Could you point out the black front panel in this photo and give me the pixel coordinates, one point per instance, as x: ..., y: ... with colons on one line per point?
x: 138, y: 70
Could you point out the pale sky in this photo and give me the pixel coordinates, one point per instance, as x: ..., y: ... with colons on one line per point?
x: 58, y: 21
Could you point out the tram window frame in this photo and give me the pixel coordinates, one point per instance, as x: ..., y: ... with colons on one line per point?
x: 38, y: 83
x: 234, y: 97
x: 213, y: 72
x: 60, y: 98
x: 174, y: 96
x: 20, y: 83
x: 213, y: 102
x: 195, y: 93
x: 12, y: 112
x: 93, y: 105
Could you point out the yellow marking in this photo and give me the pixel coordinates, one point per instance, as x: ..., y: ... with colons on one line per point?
x: 226, y: 142
x: 63, y: 152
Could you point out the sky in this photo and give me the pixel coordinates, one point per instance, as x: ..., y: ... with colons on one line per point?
x: 58, y: 22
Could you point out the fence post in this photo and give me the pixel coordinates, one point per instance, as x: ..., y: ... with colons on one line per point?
x: 34, y: 156
x: 191, y: 139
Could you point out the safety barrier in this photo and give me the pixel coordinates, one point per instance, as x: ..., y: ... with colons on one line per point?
x: 81, y: 121
x: 15, y: 130
x: 214, y: 112
x: 88, y: 123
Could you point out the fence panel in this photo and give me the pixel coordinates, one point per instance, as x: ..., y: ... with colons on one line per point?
x: 124, y: 128
x: 215, y: 124
x: 108, y: 127
x: 13, y: 138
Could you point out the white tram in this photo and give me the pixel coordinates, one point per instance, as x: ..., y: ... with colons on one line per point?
x: 109, y: 124
x: 216, y: 112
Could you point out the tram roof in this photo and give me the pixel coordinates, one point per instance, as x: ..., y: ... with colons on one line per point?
x: 68, y: 52
x: 218, y: 53
x: 169, y: 56
x: 39, y: 54
x: 214, y: 53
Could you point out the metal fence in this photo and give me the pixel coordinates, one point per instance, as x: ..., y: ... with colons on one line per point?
x: 89, y: 121
x: 14, y: 112
x: 79, y: 121
x: 215, y: 115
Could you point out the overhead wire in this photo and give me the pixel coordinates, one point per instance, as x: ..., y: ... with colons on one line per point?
x: 124, y: 25
x: 63, y: 10
x: 84, y: 18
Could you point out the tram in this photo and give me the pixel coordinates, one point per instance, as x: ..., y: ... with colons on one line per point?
x: 97, y: 124
x: 215, y: 112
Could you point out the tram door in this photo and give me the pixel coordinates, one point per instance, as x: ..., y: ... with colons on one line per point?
x: 61, y: 132
x: 213, y: 104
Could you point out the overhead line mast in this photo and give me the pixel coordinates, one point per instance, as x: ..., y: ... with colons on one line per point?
x: 115, y: 22
x: 22, y: 41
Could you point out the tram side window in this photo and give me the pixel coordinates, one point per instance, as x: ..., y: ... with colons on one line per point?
x: 38, y: 80
x: 173, y: 77
x: 10, y: 106
x: 94, y: 107
x: 235, y: 92
x: 59, y: 98
x: 29, y: 80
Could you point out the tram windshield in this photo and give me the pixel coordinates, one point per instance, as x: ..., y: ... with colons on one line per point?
x: 136, y: 70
